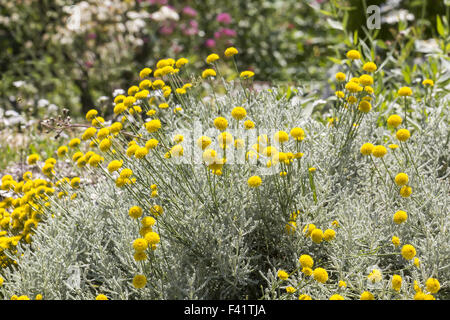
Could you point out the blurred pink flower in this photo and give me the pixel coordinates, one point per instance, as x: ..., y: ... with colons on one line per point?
x: 210, y: 43
x: 224, y: 18
x: 189, y: 11
x: 228, y: 32
x: 166, y: 30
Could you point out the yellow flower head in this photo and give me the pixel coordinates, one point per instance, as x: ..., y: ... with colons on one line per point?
x: 297, y: 133
x: 229, y: 52
x: 379, y: 151
x: 403, y: 135
x: 254, y: 181
x: 145, y: 73
x: 432, y: 285
x: 208, y: 73
x: 306, y: 261
x: 353, y: 55
x: 401, y: 179
x: 221, y: 123
x: 404, y: 92
x: 366, y: 80
x: 369, y: 67
x: 394, y: 121
x: 135, y: 212
x: 366, y: 295
x: 340, y: 76
x: 238, y: 113
x: 247, y: 74
x: 366, y: 149
x: 320, y: 275
x: 396, y: 282
x: 283, y: 275
x: 405, y: 191
x: 212, y: 57
x: 139, y: 281
x: 408, y: 251
x: 428, y: 82
x: 400, y: 217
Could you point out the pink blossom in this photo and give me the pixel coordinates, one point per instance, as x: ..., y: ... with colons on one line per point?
x: 224, y: 18
x: 210, y: 43
x: 189, y: 11
x: 166, y: 30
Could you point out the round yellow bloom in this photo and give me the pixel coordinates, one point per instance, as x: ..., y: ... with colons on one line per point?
x: 394, y: 120
x: 329, y: 234
x: 400, y: 217
x: 366, y: 149
x: 33, y: 158
x: 246, y: 74
x: 290, y: 289
x: 181, y: 62
x: 432, y: 285
x: 364, y: 106
x: 405, y: 191
x: 396, y: 282
x: 140, y: 244
x: 317, y: 235
x: 238, y: 113
x: 342, y: 284
x: 115, y: 165
x: 417, y: 262
x: 135, y: 212
x: 404, y: 92
x: 105, y: 144
x: 281, y: 137
x: 151, y: 144
x: 336, y: 297
x: 153, y: 125
x: 91, y: 114
x: 101, y: 297
x: 353, y: 87
x: 340, y: 94
x: 74, y: 143
x: 306, y: 261
x: 248, y: 124
x: 403, y: 135
x: 366, y: 295
x: 208, y: 73
x: 283, y: 275
x: 320, y: 275
x: 428, y: 82
x: 221, y: 123
x: 297, y: 133
x: 152, y: 238
x: 139, y: 281
x: 408, y: 251
x: 203, y: 142
x: 366, y: 80
x: 304, y: 297
x: 62, y: 151
x: 229, y: 52
x: 369, y: 67
x: 353, y: 55
x: 148, y: 222
x: 307, y: 271
x: 141, y: 153
x: 145, y: 73
x: 254, y: 181
x: 401, y: 179
x: 89, y: 133
x: 340, y: 76
x: 379, y: 151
